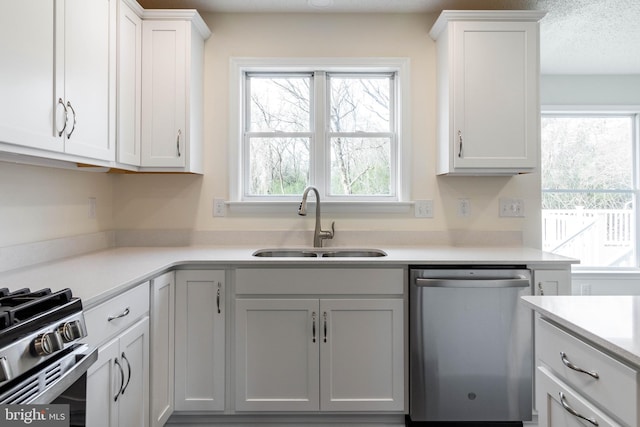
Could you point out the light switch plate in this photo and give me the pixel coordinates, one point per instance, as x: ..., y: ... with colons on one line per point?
x: 424, y: 208
x: 464, y: 207
x: 511, y: 208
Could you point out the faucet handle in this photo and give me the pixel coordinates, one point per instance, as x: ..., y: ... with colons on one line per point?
x: 326, y: 234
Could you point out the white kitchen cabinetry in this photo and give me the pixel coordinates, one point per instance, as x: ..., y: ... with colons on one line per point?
x: 162, y: 344
x: 200, y: 340
x: 58, y: 83
x: 575, y: 379
x: 129, y: 82
x: 488, y: 101
x: 330, y: 353
x: 118, y: 382
x: 552, y: 282
x: 172, y: 90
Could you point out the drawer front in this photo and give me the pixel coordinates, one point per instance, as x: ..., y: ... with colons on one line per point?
x: 616, y: 388
x: 308, y: 281
x: 561, y: 406
x: 123, y: 311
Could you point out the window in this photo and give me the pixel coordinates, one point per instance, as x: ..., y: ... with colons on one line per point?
x: 336, y: 127
x: 590, y: 188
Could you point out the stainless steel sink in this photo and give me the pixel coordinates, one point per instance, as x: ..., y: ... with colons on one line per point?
x: 319, y: 253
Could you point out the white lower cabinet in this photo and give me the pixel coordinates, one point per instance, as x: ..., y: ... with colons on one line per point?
x: 162, y: 343
x: 319, y: 354
x: 200, y: 340
x: 579, y: 385
x: 117, y: 383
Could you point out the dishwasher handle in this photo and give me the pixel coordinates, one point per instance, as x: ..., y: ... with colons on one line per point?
x: 515, y: 282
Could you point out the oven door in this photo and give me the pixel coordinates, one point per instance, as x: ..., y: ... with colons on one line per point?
x: 62, y: 380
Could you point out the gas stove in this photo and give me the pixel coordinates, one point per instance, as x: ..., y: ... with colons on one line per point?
x: 39, y: 343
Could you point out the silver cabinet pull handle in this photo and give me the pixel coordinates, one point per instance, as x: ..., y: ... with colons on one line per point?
x: 460, y: 142
x: 540, y: 288
x: 128, y: 376
x: 178, y: 143
x: 74, y: 119
x: 568, y: 364
x: 573, y: 412
x: 324, y: 315
x: 115, y: 398
x: 218, y: 298
x: 123, y: 314
x: 66, y: 116
x: 313, y: 326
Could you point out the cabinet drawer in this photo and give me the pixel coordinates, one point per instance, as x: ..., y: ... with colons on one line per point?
x: 124, y: 310
x: 615, y: 389
x: 307, y: 281
x: 554, y: 408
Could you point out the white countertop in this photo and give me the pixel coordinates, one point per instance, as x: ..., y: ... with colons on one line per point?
x: 98, y: 276
x: 611, y: 322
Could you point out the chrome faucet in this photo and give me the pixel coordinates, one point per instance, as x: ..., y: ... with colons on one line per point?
x: 318, y: 234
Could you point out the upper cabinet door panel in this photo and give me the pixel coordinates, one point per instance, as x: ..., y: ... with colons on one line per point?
x: 495, y: 99
x: 164, y: 68
x: 27, y: 77
x: 88, y: 48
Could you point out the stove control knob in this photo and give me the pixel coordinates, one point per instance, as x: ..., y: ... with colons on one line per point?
x: 47, y: 343
x: 73, y: 330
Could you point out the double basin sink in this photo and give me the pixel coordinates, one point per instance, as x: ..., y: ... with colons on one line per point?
x: 319, y: 253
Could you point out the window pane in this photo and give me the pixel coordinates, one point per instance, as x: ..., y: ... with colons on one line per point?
x: 360, y: 104
x: 597, y: 228
x: 360, y: 166
x: 278, y: 166
x: 280, y: 104
x: 592, y: 153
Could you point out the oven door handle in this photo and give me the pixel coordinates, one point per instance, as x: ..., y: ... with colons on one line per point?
x: 86, y: 357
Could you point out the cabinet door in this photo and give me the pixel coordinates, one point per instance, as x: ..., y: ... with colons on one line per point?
x: 495, y: 95
x: 277, y: 354
x: 162, y: 346
x: 361, y: 353
x: 89, y: 43
x: 104, y: 380
x: 164, y: 96
x: 27, y: 77
x: 129, y: 81
x: 134, y: 356
x: 200, y: 340
x: 561, y: 406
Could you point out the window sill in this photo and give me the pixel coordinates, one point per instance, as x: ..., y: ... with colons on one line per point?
x: 327, y: 206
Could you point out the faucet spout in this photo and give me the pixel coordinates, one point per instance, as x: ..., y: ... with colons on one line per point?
x: 318, y: 234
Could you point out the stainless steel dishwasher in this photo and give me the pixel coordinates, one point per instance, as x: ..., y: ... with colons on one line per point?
x: 471, y: 344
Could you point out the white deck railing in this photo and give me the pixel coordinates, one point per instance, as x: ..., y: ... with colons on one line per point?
x: 595, y: 236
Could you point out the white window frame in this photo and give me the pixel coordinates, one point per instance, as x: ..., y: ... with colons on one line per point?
x: 402, y: 176
x: 610, y: 110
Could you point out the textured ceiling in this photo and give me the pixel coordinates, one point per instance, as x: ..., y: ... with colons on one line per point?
x: 576, y: 36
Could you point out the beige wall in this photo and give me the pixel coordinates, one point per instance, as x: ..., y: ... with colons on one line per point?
x: 38, y: 203
x: 52, y: 203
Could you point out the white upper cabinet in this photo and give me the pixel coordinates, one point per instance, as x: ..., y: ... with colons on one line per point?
x: 88, y: 88
x: 172, y: 90
x: 27, y: 78
x: 129, y: 82
x: 56, y: 79
x: 488, y: 101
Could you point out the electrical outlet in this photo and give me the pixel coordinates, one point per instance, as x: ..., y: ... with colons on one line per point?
x: 464, y: 207
x: 424, y: 208
x: 219, y: 208
x: 91, y: 214
x: 511, y: 208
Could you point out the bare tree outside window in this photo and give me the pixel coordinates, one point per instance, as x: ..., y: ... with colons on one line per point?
x: 588, y: 206
x: 282, y: 135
